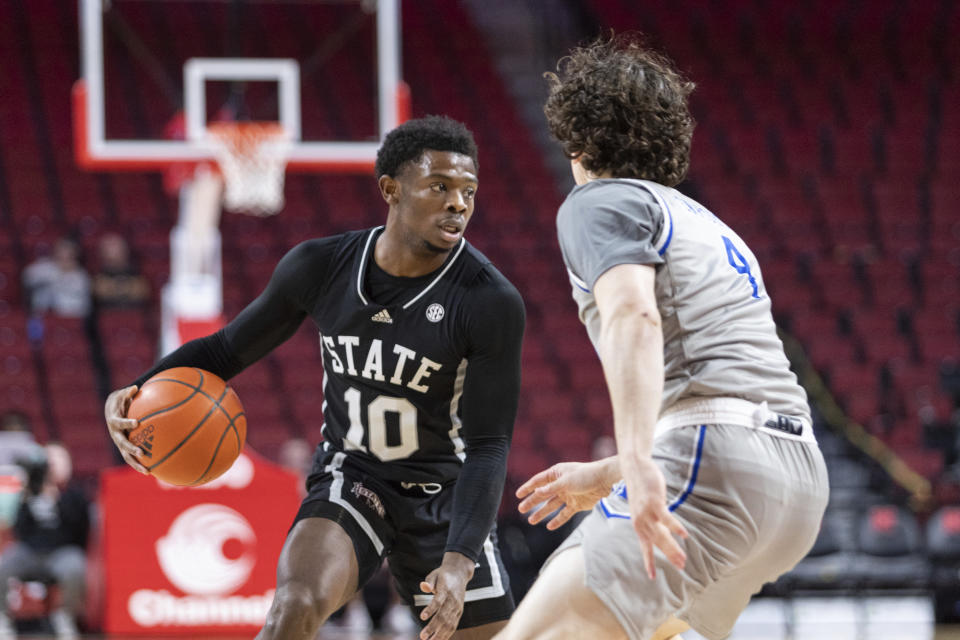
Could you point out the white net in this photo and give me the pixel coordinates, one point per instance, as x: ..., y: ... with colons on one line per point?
x: 253, y: 158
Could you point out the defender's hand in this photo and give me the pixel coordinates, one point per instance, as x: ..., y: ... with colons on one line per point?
x: 574, y: 486
x: 653, y: 522
x: 448, y: 584
x: 119, y: 425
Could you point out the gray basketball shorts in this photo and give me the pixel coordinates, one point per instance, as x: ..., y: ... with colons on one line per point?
x: 752, y: 504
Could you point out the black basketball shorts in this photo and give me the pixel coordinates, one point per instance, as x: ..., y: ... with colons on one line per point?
x: 407, y: 525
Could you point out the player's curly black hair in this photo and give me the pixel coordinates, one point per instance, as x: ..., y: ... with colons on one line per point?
x: 622, y: 108
x: 408, y: 142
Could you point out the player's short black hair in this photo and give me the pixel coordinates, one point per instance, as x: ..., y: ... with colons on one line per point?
x: 622, y: 109
x: 435, y: 133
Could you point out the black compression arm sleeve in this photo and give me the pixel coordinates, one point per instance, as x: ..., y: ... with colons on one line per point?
x: 266, y: 322
x: 478, y: 491
x: 491, y: 393
x: 212, y: 353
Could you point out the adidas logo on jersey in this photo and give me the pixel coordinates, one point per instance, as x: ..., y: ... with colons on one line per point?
x: 382, y: 316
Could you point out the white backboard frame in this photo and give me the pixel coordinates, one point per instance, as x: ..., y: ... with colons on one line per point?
x: 93, y: 150
x: 198, y: 71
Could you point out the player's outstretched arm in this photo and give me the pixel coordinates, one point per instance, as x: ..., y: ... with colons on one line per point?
x: 119, y: 425
x: 448, y: 584
x: 631, y: 351
x: 567, y: 488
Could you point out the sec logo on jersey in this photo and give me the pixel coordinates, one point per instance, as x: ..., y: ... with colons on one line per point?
x: 435, y: 312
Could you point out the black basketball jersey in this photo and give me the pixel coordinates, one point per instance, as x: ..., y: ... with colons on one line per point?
x: 395, y: 373
x: 410, y: 377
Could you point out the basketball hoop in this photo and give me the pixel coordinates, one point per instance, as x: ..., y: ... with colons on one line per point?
x: 252, y: 157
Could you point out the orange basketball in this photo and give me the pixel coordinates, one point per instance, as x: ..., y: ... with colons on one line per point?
x: 192, y: 426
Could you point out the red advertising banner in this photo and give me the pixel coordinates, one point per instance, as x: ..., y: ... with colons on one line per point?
x: 190, y: 560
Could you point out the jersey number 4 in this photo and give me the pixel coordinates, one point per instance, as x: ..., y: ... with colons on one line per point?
x: 738, y: 262
x: 377, y: 412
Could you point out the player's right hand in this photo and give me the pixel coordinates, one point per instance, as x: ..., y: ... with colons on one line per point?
x: 653, y: 522
x: 448, y: 585
x: 568, y: 486
x: 119, y: 425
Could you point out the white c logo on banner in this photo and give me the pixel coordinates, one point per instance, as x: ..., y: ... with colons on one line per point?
x: 192, y: 553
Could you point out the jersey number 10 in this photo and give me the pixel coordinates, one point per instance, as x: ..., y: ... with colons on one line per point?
x: 377, y: 426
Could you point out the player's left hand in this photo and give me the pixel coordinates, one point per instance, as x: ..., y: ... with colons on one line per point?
x: 119, y: 425
x: 565, y: 489
x: 653, y: 522
x: 448, y: 584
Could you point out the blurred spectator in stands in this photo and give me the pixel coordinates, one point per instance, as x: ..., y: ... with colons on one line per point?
x: 16, y: 443
x: 118, y: 283
x: 58, y: 283
x: 50, y: 531
x: 16, y: 436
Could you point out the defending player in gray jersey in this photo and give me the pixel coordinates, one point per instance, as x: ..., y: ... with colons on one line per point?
x: 718, y: 333
x: 718, y: 484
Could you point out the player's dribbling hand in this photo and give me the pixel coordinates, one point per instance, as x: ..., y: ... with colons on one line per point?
x: 568, y: 486
x: 119, y: 425
x: 653, y: 522
x: 448, y: 584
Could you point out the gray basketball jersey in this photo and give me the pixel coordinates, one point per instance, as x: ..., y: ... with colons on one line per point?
x: 719, y: 336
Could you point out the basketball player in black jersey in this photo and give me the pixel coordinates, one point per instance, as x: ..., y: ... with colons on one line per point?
x: 420, y: 338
